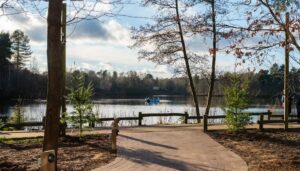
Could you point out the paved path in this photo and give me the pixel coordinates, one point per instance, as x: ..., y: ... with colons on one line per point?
x: 171, y: 148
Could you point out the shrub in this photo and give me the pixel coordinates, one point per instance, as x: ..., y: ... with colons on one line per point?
x: 80, y: 97
x: 236, y: 100
x: 18, y: 114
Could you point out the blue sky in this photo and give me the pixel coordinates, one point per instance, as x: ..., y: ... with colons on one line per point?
x: 103, y: 44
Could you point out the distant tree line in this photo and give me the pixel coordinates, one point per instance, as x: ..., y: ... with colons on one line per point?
x: 18, y: 81
x: 32, y: 85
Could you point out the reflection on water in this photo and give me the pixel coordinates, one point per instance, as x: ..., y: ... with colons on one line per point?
x: 34, y: 111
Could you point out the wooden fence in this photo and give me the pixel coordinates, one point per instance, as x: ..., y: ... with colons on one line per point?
x: 186, y: 116
x: 262, y: 121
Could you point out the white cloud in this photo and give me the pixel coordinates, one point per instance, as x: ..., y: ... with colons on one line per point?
x: 100, y: 66
x: 109, y: 32
x: 159, y: 70
x: 119, y: 32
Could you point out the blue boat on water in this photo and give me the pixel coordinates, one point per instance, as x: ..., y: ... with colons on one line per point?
x: 152, y: 100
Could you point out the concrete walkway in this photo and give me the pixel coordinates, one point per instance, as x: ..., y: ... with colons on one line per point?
x: 171, y: 148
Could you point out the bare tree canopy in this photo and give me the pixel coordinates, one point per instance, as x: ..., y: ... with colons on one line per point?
x: 163, y: 41
x: 78, y: 10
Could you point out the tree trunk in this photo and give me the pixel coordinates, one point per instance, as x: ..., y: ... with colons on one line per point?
x: 80, y: 125
x: 64, y: 108
x: 187, y: 65
x: 54, y: 94
x: 213, y: 65
x: 286, y: 75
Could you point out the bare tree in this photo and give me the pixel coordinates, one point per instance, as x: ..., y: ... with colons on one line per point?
x: 292, y: 7
x: 213, y: 65
x: 265, y: 29
x: 273, y: 24
x: 163, y: 42
x: 277, y: 9
x: 3, y: 3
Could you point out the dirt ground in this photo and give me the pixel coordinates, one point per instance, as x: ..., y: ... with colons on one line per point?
x: 273, y: 149
x: 74, y: 154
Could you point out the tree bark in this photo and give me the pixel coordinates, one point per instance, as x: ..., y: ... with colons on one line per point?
x: 187, y: 65
x: 64, y: 31
x: 54, y: 94
x: 286, y: 74
x: 213, y: 65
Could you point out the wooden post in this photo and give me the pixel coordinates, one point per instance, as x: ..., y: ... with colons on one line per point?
x: 269, y: 114
x: 114, y: 133
x: 186, y: 117
x: 261, y: 122
x: 286, y: 74
x: 44, y: 122
x: 47, y: 162
x: 140, y: 118
x: 205, y: 117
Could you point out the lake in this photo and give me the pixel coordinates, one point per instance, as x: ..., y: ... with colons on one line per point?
x: 35, y: 110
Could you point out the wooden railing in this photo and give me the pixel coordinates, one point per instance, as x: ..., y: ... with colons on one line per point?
x: 262, y: 120
x: 21, y: 125
x: 186, y: 116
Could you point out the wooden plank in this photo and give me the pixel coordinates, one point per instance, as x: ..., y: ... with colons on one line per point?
x: 120, y: 118
x: 209, y: 117
x: 194, y: 117
x: 276, y: 116
x: 270, y: 121
x: 258, y: 113
x: 278, y: 121
x: 217, y: 117
x: 22, y: 124
x: 162, y: 114
x: 224, y: 116
x: 104, y: 119
x: 128, y: 118
x: 294, y: 120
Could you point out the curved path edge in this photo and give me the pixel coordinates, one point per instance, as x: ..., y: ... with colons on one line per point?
x: 166, y: 148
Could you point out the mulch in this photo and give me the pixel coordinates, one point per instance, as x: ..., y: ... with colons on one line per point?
x: 74, y: 154
x: 273, y: 149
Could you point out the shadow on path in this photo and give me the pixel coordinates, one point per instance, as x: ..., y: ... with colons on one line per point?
x: 148, y: 142
x: 147, y: 157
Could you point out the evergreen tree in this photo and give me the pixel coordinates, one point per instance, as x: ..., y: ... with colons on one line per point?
x: 5, y: 55
x: 5, y: 49
x: 18, y: 114
x: 236, y: 100
x: 80, y: 97
x: 21, y: 48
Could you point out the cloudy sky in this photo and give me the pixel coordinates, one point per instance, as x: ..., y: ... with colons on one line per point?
x: 99, y: 44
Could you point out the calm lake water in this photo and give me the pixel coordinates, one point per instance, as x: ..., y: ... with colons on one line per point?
x: 34, y: 111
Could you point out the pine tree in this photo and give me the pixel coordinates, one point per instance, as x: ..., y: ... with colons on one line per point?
x: 18, y: 114
x: 5, y: 49
x: 20, y: 48
x: 5, y: 55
